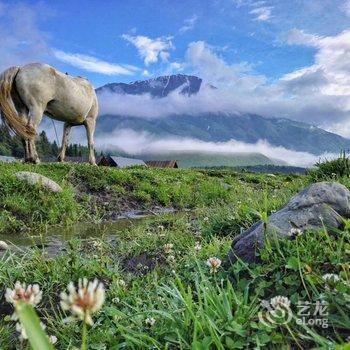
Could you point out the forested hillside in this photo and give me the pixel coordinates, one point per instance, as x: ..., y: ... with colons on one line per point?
x: 11, y: 145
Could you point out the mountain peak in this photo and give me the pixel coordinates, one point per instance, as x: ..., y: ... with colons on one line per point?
x: 157, y: 87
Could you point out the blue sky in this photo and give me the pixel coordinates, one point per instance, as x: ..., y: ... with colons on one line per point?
x: 276, y: 58
x: 231, y: 27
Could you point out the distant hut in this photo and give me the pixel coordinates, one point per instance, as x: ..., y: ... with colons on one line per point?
x: 8, y: 159
x: 162, y: 163
x: 120, y: 162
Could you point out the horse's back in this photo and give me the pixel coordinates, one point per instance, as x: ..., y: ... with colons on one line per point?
x: 62, y: 96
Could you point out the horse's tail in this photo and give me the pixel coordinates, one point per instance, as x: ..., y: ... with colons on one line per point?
x: 7, y: 108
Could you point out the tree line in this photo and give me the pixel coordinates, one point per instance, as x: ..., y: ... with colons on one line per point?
x: 11, y: 145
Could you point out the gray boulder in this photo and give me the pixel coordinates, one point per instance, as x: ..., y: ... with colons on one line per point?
x: 323, y: 203
x: 39, y: 180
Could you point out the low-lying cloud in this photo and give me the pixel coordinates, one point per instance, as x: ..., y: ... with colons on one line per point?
x: 132, y: 142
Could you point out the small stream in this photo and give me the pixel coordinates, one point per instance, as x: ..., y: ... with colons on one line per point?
x: 54, y: 238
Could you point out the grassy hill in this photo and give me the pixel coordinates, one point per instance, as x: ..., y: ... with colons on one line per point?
x: 212, y: 159
x: 160, y: 292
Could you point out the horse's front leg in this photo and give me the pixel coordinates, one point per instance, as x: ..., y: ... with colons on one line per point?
x: 65, y: 139
x: 90, y: 124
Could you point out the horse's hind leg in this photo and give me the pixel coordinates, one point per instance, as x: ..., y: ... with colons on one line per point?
x: 34, y: 118
x: 90, y: 124
x: 66, y: 130
x: 25, y: 144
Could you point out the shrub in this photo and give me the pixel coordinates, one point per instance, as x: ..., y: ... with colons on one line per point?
x: 326, y: 169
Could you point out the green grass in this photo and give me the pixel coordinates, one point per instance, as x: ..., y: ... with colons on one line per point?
x: 95, y: 193
x: 192, y: 308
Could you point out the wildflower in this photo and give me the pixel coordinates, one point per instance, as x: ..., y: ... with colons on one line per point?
x: 171, y: 258
x: 150, y: 321
x: 279, y: 302
x: 85, y: 300
x: 22, y: 332
x: 295, y: 232
x: 31, y: 295
x: 197, y: 247
x: 3, y: 245
x: 330, y: 278
x: 115, y: 300
x: 53, y: 339
x: 168, y: 248
x: 214, y: 263
x: 97, y: 244
x: 121, y: 283
x: 206, y: 219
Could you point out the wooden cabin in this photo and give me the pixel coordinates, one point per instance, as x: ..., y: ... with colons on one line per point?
x: 120, y: 162
x: 162, y: 164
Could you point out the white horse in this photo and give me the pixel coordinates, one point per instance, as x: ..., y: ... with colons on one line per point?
x: 28, y: 92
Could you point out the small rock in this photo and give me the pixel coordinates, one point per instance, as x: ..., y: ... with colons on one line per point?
x: 3, y: 245
x: 40, y: 180
x: 323, y: 203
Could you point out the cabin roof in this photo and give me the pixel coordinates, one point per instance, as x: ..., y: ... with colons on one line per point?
x: 162, y: 163
x: 123, y: 162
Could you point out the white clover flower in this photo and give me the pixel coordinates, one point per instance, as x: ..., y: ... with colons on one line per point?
x: 150, y: 321
x: 31, y: 295
x: 121, y: 283
x: 3, y: 245
x: 206, y: 219
x: 197, y: 246
x: 171, y: 258
x: 82, y: 302
x: 22, y: 332
x: 331, y: 278
x: 279, y: 302
x: 168, y: 248
x: 115, y: 300
x: 97, y: 243
x: 214, y: 263
x: 53, y: 339
x: 295, y: 232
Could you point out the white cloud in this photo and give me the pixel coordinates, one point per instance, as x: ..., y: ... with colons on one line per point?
x: 214, y: 69
x: 136, y: 143
x: 262, y: 14
x: 189, y: 24
x: 21, y: 40
x: 151, y: 50
x: 299, y: 37
x: 331, y: 62
x: 346, y: 7
x: 93, y: 64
